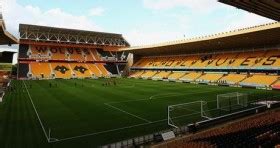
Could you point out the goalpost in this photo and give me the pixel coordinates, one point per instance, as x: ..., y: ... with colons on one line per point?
x: 230, y: 101
x: 186, y: 113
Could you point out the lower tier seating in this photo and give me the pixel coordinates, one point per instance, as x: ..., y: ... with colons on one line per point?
x: 162, y: 74
x: 80, y: 70
x: 192, y: 76
x: 233, y: 78
x: 136, y: 74
x: 254, y: 80
x: 67, y: 70
x: 62, y: 70
x: 260, y: 80
x: 210, y: 77
x: 258, y: 131
x: 148, y: 74
x: 94, y: 70
x: 40, y: 70
x: 176, y: 75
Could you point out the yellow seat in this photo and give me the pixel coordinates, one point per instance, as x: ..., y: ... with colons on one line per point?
x: 61, y: 70
x: 40, y: 70
x: 261, y: 79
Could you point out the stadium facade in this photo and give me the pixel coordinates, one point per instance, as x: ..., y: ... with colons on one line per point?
x: 48, y: 53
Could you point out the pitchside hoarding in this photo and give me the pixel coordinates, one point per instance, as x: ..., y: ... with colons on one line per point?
x: 6, y: 66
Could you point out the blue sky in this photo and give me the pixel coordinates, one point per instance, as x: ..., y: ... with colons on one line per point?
x: 140, y: 21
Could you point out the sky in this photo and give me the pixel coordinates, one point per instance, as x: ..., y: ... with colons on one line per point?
x: 140, y: 21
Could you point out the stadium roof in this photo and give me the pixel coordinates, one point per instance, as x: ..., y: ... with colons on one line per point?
x: 72, y: 36
x: 5, y: 37
x: 266, y: 8
x: 259, y: 36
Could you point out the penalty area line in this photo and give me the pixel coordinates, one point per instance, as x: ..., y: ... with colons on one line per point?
x: 116, y: 108
x: 117, y: 129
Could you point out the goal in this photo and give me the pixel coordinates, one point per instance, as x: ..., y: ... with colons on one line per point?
x: 232, y: 101
x: 182, y: 114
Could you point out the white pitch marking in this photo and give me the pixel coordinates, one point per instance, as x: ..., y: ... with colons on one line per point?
x: 128, y: 113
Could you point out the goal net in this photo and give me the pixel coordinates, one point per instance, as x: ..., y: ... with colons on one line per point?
x: 182, y: 114
x: 232, y: 101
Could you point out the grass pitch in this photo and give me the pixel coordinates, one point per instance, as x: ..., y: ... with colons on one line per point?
x: 89, y: 113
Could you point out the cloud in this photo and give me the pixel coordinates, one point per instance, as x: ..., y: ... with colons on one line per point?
x: 14, y: 14
x: 196, y: 5
x: 151, y: 33
x: 245, y: 20
x: 97, y: 11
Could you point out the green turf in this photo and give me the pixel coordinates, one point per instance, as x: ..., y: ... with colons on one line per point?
x: 77, y: 107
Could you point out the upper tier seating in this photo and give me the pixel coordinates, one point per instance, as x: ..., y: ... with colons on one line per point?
x: 38, y: 52
x: 262, y: 59
x: 58, y: 53
x: 77, y: 54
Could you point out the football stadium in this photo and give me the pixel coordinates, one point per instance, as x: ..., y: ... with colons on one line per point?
x: 80, y: 88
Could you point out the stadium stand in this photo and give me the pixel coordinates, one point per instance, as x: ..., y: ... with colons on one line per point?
x: 162, y: 75
x: 192, y: 76
x: 81, y: 70
x: 254, y: 59
x: 148, y: 74
x: 262, y: 130
x: 210, y: 77
x: 62, y: 70
x: 58, y: 53
x: 94, y: 70
x: 259, y: 80
x: 176, y: 75
x: 264, y: 59
x: 41, y: 70
x: 205, y: 61
x: 232, y: 78
x: 136, y: 74
x: 75, y: 57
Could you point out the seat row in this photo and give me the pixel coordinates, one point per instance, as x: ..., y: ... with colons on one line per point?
x: 58, y: 53
x: 259, y: 59
x: 258, y: 131
x: 252, y: 79
x: 66, y: 70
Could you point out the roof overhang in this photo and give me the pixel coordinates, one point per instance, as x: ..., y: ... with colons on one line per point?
x: 5, y: 37
x: 56, y: 35
x: 266, y: 8
x: 258, y: 36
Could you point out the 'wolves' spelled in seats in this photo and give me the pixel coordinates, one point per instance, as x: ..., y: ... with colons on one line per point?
x: 61, y: 69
